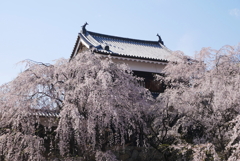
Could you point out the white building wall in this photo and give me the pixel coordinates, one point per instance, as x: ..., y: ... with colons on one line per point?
x: 146, y: 66
x: 139, y: 64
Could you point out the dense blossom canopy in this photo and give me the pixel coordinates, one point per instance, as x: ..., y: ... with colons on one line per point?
x: 206, y: 95
x: 97, y: 103
x: 89, y: 108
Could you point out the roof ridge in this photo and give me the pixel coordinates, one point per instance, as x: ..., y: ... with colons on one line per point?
x: 123, y: 38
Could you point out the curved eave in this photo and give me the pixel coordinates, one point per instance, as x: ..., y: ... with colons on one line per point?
x: 75, y: 48
x: 130, y: 56
x: 84, y: 40
x: 81, y: 39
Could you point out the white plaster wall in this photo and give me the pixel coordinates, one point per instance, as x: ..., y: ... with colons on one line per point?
x: 142, y: 66
x: 138, y: 64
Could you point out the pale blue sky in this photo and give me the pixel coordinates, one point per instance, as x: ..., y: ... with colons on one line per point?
x: 47, y: 30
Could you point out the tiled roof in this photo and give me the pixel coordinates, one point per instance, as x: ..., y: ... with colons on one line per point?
x: 124, y: 47
x: 40, y: 113
x: 46, y: 114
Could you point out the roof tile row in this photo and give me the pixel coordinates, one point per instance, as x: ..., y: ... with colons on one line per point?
x: 127, y: 47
